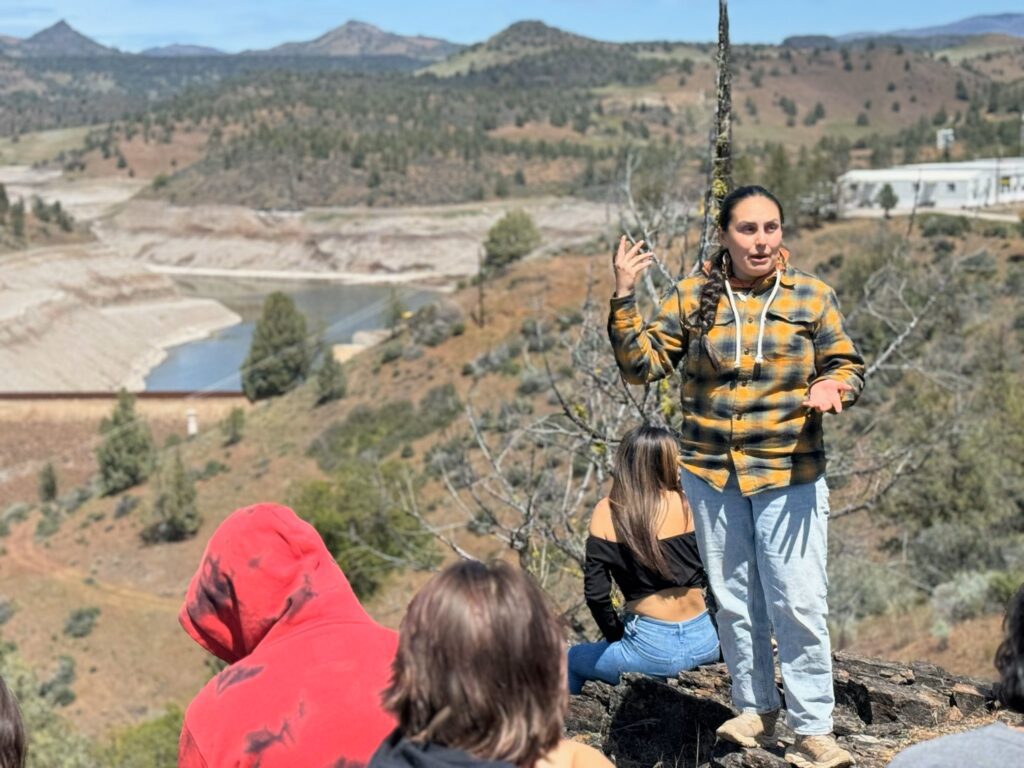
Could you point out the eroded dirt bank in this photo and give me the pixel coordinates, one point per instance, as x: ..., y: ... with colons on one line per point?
x: 80, y: 318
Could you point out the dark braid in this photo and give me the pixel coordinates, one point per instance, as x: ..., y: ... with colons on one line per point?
x: 711, y: 291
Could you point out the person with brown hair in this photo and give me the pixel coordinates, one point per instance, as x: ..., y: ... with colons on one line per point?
x: 642, y: 536
x: 766, y: 355
x: 13, y: 744
x: 479, y: 677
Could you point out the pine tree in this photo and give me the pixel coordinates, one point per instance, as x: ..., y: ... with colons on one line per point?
x: 175, y: 511
x: 126, y: 455
x: 279, y: 357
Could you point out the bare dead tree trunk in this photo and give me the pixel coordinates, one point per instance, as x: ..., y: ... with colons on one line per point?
x: 720, y: 169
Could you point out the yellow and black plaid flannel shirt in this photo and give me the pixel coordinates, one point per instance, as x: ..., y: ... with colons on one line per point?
x: 748, y: 419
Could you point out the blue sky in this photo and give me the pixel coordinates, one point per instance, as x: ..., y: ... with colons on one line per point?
x: 235, y: 25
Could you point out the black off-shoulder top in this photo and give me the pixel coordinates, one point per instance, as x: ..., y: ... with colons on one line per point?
x: 607, y: 560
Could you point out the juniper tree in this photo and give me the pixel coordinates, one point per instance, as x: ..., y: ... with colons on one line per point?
x: 232, y: 425
x: 126, y: 455
x: 511, y: 238
x: 887, y: 199
x: 330, y: 379
x: 47, y: 483
x: 18, y: 218
x: 279, y: 357
x: 176, y: 515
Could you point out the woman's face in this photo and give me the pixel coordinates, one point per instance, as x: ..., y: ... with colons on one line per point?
x: 753, y: 237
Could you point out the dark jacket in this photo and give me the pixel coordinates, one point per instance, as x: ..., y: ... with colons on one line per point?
x: 399, y: 752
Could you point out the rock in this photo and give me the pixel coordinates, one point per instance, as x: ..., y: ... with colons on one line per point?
x: 881, y: 706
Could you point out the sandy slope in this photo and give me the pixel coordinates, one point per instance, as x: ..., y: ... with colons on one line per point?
x: 79, y: 318
x: 353, y: 244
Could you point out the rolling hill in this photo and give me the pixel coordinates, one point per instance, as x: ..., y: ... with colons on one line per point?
x: 356, y: 38
x: 60, y: 40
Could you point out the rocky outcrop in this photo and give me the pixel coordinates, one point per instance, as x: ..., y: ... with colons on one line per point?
x: 881, y: 707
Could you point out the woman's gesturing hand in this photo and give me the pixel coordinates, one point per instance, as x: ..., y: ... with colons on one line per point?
x: 628, y: 266
x: 826, y: 396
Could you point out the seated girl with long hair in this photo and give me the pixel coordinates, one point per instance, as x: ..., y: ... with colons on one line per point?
x: 642, y: 537
x: 479, y: 677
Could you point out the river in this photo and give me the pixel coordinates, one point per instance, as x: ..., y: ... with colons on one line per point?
x: 333, y: 310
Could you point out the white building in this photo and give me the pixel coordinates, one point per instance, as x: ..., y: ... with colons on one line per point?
x: 970, y: 184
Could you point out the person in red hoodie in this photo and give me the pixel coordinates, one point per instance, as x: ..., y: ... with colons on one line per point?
x: 307, y: 663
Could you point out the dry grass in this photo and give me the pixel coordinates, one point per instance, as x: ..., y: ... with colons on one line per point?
x: 41, y: 146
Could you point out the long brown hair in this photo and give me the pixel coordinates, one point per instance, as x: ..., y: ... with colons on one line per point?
x: 13, y: 746
x: 646, y: 465
x: 481, y: 665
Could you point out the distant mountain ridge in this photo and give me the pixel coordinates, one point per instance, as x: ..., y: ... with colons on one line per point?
x: 357, y: 38
x: 1011, y: 24
x: 60, y: 39
x: 178, y: 49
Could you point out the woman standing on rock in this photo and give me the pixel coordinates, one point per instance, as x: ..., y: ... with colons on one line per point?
x: 765, y: 355
x: 642, y: 536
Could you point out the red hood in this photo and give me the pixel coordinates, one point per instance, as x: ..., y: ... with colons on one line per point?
x: 264, y: 573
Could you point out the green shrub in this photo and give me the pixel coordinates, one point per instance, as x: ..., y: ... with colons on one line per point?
x: 514, y: 236
x: 125, y: 505
x: 175, y: 513
x: 435, y: 322
x: 934, y: 225
x: 150, y: 744
x: 965, y: 597
x: 52, y: 742
x: 380, y: 431
x: 390, y: 352
x: 1003, y: 585
x: 81, y: 621
x: 331, y: 383
x: 74, y: 498
x: 50, y: 521
x: 212, y: 468
x: 57, y: 690
x: 7, y: 610
x: 530, y: 383
x: 359, y: 514
x: 232, y: 426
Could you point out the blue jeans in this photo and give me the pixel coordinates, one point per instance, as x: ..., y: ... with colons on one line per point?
x: 658, y: 648
x: 765, y: 557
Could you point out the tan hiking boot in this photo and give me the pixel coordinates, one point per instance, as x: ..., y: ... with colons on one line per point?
x: 750, y: 729
x: 817, y: 752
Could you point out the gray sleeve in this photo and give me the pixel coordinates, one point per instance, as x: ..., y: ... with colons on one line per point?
x: 994, y: 746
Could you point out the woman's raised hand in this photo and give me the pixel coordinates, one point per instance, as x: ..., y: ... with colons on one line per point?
x: 628, y: 266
